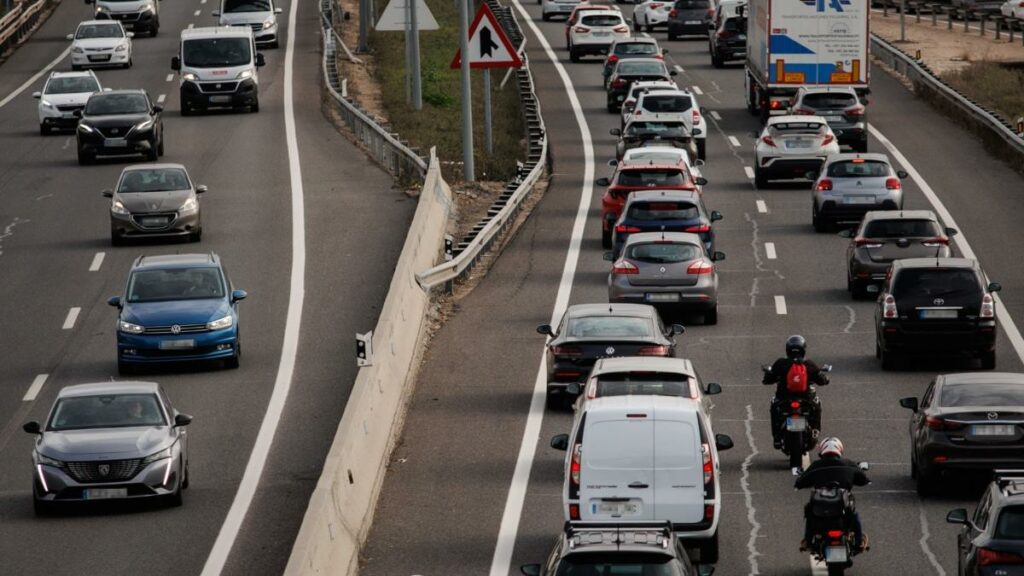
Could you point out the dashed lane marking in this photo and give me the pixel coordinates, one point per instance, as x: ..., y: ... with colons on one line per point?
x: 197, y: 12
x: 97, y: 261
x: 762, y: 207
x: 734, y: 141
x: 160, y: 99
x: 35, y: 387
x: 716, y: 115
x: 697, y: 90
x: 749, y: 172
x: 679, y: 69
x: 69, y: 321
x: 170, y: 77
x: 769, y: 250
x: 780, y: 305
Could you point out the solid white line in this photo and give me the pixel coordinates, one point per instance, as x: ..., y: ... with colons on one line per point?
x: 293, y: 321
x: 749, y: 172
x: 960, y: 239
x: 35, y: 77
x: 197, y: 12
x: 678, y: 68
x: 762, y: 207
x: 716, y: 115
x: 697, y: 90
x: 925, y: 534
x: 69, y: 321
x: 97, y: 261
x: 510, y: 516
x: 170, y: 77
x: 35, y: 387
x: 748, y: 494
x: 780, y: 305
x: 769, y: 250
x: 160, y: 99
x: 734, y: 141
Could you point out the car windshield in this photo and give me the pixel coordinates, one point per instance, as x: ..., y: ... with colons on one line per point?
x: 635, y: 48
x: 901, y: 229
x: 651, y: 178
x: 175, y: 284
x: 859, y: 168
x: 610, y: 327
x: 216, y: 52
x: 795, y: 128
x: 1011, y: 523
x: 644, y: 383
x: 631, y: 68
x: 829, y: 100
x: 618, y: 564
x: 663, y: 211
x: 72, y: 85
x: 88, y: 31
x: 106, y: 411
x: 659, y: 253
x: 637, y: 88
x: 247, y: 6
x: 668, y: 103
x: 987, y: 395
x: 113, y: 104
x: 663, y: 129
x: 601, y: 20
x: 153, y: 180
x: 931, y: 283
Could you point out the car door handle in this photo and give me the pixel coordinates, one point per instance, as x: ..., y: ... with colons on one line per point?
x: 638, y: 485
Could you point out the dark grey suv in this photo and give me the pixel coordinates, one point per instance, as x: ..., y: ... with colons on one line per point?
x: 841, y: 107
x: 690, y: 18
x: 992, y: 540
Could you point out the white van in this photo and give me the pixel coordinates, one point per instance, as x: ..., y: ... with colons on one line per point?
x: 217, y: 69
x: 645, y: 458
x: 260, y: 15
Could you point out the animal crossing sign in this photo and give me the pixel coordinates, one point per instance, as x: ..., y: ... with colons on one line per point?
x: 489, y: 47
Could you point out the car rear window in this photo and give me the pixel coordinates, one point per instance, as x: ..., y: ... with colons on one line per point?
x: 641, y: 68
x: 901, y: 229
x: 693, y: 4
x: 981, y: 394
x: 635, y: 48
x: 658, y: 253
x: 663, y: 211
x: 829, y: 100
x: 601, y: 20
x: 646, y: 155
x: 1010, y: 525
x: 859, y: 169
x: 651, y: 178
x: 790, y: 128
x: 664, y: 129
x: 930, y: 283
x: 106, y: 411
x: 668, y: 103
x: 735, y: 25
x: 645, y: 384
x: 617, y: 564
x: 610, y: 327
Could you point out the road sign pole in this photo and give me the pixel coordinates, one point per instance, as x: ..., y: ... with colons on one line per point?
x: 417, y: 90
x: 467, y: 104
x: 903, y: 23
x: 408, y: 52
x: 364, y: 26
x: 487, y: 111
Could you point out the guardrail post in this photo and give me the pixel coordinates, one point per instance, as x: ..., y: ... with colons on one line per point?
x: 983, y: 18
x: 1011, y: 32
x: 935, y: 14
x: 967, y: 21
x: 917, y: 12
x: 949, y: 19
x: 885, y: 8
x: 999, y: 27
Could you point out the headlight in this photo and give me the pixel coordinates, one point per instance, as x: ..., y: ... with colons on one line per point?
x: 77, y: 50
x: 221, y: 323
x: 40, y: 459
x: 148, y: 8
x: 144, y: 125
x: 244, y: 74
x: 121, y: 47
x: 188, y: 76
x: 190, y: 205
x: 118, y: 208
x: 46, y: 104
x: 269, y: 22
x: 85, y: 128
x: 165, y: 453
x: 129, y: 327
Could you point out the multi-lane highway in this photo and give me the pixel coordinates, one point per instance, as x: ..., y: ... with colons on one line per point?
x: 305, y: 224
x: 473, y: 487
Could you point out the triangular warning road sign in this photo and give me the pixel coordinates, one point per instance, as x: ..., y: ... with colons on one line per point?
x: 489, y: 47
x: 395, y: 14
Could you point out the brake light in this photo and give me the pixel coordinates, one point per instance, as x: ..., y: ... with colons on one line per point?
x: 936, y: 423
x: 566, y: 351
x: 795, y: 405
x: 673, y: 13
x: 988, y: 307
x: 613, y: 58
x: 709, y: 512
x: 867, y: 243
x: 659, y: 56
x: 574, y: 467
x: 621, y: 29
x: 724, y: 34
x: 623, y: 229
x: 804, y: 112
x: 824, y: 185
x: 700, y: 267
x: 574, y: 511
x: 893, y: 184
x: 625, y: 267
x: 696, y: 117
x: 709, y: 463
x: 653, y: 351
x: 618, y: 83
x: 857, y: 111
x: 775, y: 105
x: 581, y: 29
x: 655, y: 5
x: 835, y: 534
x: 987, y: 557
x: 698, y: 228
x: 768, y: 140
x: 935, y: 242
x: 889, y: 307
x: 827, y: 139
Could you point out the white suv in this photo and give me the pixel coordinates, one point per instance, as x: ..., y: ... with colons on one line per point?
x: 63, y: 94
x: 594, y: 32
x: 675, y: 104
x: 100, y: 43
x: 634, y: 93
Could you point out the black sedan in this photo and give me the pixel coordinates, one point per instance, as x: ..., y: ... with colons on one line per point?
x: 991, y: 541
x: 589, y: 332
x: 120, y: 123
x: 969, y: 421
x: 634, y: 70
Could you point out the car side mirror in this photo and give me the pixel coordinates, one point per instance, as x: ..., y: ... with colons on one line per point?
x: 994, y: 286
x: 108, y: 193
x: 845, y: 233
x: 37, y: 95
x: 957, y: 516
x: 699, y: 163
x: 701, y: 181
x: 705, y: 570
x: 77, y: 113
x: 863, y: 466
x: 215, y: 13
x: 712, y: 388
x: 237, y: 295
x: 182, y: 420
x: 901, y: 174
x: 130, y: 34
x: 260, y: 60
x: 673, y: 73
x: 530, y: 569
x: 697, y: 132
x: 910, y: 403
x: 546, y: 330
x: 175, y: 63
x: 677, y: 329
x: 603, y: 182
x: 158, y: 109
x: 718, y: 256
x: 278, y: 10
x: 114, y: 301
x: 32, y: 427
x: 70, y: 37
x: 723, y: 442
x: 202, y: 189
x: 608, y: 256
x: 615, y: 132
x: 716, y: 216
x: 951, y: 231
x: 613, y: 162
x: 573, y: 388
x: 560, y: 442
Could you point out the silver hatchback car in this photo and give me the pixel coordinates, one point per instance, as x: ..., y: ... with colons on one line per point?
x: 851, y: 185
x: 671, y: 271
x: 112, y: 440
x: 155, y: 201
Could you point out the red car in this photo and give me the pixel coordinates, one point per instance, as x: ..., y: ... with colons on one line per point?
x: 632, y: 177
x: 569, y: 22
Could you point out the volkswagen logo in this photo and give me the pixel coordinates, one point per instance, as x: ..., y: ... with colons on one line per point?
x: 662, y: 269
x: 938, y: 301
x: 218, y: 86
x: 993, y: 415
x: 103, y: 469
x: 609, y: 350
x: 115, y: 131
x: 175, y: 329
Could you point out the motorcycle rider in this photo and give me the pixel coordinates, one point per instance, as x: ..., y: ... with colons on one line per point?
x: 793, y: 376
x: 832, y: 468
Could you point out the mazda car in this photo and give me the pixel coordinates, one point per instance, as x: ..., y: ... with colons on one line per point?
x: 120, y: 123
x: 155, y: 201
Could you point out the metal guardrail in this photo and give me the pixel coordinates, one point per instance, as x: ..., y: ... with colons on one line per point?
x: 964, y: 14
x: 920, y: 74
x: 395, y: 156
x: 502, y: 213
x: 18, y: 24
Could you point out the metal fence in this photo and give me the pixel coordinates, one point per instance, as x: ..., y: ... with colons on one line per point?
x: 18, y: 24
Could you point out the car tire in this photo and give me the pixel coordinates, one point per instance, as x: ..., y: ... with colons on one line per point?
x: 128, y: 64
x: 177, y: 498
x: 545, y: 17
x: 858, y: 290
x: 988, y: 360
x: 160, y: 145
x: 672, y: 36
x: 116, y: 239
x: 606, y: 238
x: 760, y: 180
x: 41, y: 507
x: 711, y: 316
x: 819, y: 223
x: 861, y: 147
x: 574, y: 56
x: 889, y: 359
x: 124, y: 368
x: 926, y: 483
x: 154, y: 152
x: 716, y: 61
x: 648, y: 28
x: 274, y: 45
x: 708, y: 550
x: 187, y: 478
x: 233, y: 362
x: 84, y: 158
x: 702, y: 149
x: 255, y: 106
x: 196, y: 236
x: 612, y: 107
x: 554, y: 402
x: 44, y: 130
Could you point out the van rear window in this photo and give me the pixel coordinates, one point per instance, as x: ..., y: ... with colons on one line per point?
x: 947, y: 283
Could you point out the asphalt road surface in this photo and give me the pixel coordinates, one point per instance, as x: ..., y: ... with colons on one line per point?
x: 467, y: 494
x: 55, y: 256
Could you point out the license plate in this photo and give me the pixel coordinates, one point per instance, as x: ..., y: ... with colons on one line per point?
x: 833, y: 118
x: 617, y: 508
x: 115, y: 143
x: 220, y: 99
x: 99, y: 58
x: 68, y: 114
x: 994, y: 430
x: 177, y: 344
x: 796, y: 424
x: 835, y: 554
x: 670, y: 297
x: 937, y: 314
x: 858, y: 200
x: 104, y: 493
x: 874, y: 287
x: 153, y: 221
x: 742, y: 37
x: 692, y: 22
x: 796, y: 144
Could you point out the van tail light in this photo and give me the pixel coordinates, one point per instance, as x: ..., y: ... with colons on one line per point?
x: 988, y: 307
x: 673, y: 13
x: 824, y: 185
x: 709, y: 512
x: 768, y: 140
x: 855, y: 111
x: 574, y: 511
x: 700, y: 267
x: 623, y: 229
x: 827, y: 139
x: 935, y: 242
x: 612, y: 58
x: 574, y: 466
x: 699, y: 228
x: 625, y: 267
x: 988, y: 557
x: 621, y: 29
x: 709, y: 463
x: 889, y: 307
x: 567, y: 351
x: 653, y: 351
x: 893, y: 184
x: 936, y: 423
x: 867, y: 243
x: 581, y: 29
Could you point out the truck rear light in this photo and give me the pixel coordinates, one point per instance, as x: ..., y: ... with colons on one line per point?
x: 574, y: 466
x: 653, y: 351
x: 988, y: 557
x: 625, y: 267
x: 709, y: 463
x: 935, y: 242
x: 700, y: 267
x: 621, y: 29
x: 988, y: 307
x: 824, y: 185
x: 699, y: 228
x: 574, y: 511
x: 623, y: 229
x: 893, y: 184
x: 867, y: 243
x: 889, y: 307
x: 936, y: 423
x: 567, y: 351
x: 768, y: 140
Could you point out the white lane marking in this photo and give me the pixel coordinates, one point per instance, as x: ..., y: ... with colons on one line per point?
x: 697, y: 90
x: 769, y: 250
x: 202, y: 1
x: 819, y: 568
x: 749, y: 172
x: 97, y: 261
x: 716, y: 115
x: 734, y: 141
x: 925, y: 534
x: 510, y: 516
x: 762, y: 207
x: 170, y: 77
x: 780, y: 305
x: 849, y: 325
x: 35, y: 77
x: 748, y: 494
x: 69, y: 320
x: 678, y: 68
x: 160, y: 99
x: 645, y: 34
x: 960, y: 239
x: 191, y: 26
x: 197, y: 12
x: 293, y: 322
x: 35, y: 387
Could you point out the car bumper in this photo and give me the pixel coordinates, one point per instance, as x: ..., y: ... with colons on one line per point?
x: 60, y: 486
x: 680, y: 28
x: 133, y: 145
x: 838, y: 210
x: 943, y: 341
x: 115, y: 59
x: 697, y: 300
x: 131, y: 21
x: 797, y: 168
x: 731, y: 53
x: 146, y: 349
x: 58, y: 121
x: 266, y: 36
x: 127, y: 226
x: 246, y: 94
x: 944, y: 455
x: 849, y: 135
x: 556, y: 9
x: 594, y: 47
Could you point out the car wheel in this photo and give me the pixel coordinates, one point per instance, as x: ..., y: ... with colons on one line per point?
x: 234, y: 361
x: 177, y: 498
x: 116, y: 239
x: 711, y: 316
x: 649, y: 28
x: 160, y: 145
x: 606, y: 239
x: 708, y: 550
x: 41, y: 507
x: 612, y: 107
x: 124, y: 369
x: 672, y: 36
x: 702, y: 149
x: 129, y: 64
x: 554, y: 402
x: 186, y: 110
x: 544, y: 16
x: 44, y: 130
x: 716, y: 61
x: 274, y: 45
x: 819, y: 223
x: 926, y: 484
x: 255, y: 107
x: 573, y: 55
x: 187, y: 477
x: 196, y: 236
x: 154, y: 152
x: 84, y: 158
x: 988, y: 360
x: 760, y: 179
x: 858, y: 290
x: 889, y: 359
x: 861, y: 147
x: 75, y: 67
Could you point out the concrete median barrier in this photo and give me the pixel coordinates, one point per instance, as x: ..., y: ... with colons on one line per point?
x: 341, y: 508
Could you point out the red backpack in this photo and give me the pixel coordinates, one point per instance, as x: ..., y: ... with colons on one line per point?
x: 796, y: 378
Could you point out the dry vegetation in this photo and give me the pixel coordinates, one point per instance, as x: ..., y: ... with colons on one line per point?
x: 995, y: 86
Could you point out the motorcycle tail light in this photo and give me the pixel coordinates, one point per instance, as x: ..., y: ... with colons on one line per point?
x: 835, y: 534
x: 795, y: 405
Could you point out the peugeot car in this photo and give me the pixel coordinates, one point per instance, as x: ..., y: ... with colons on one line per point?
x: 155, y: 201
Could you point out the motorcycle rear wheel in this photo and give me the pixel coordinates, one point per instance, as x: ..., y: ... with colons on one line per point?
x: 795, y: 445
x: 836, y: 569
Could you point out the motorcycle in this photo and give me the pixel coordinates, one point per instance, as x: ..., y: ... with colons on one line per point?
x: 833, y: 541
x: 799, y: 436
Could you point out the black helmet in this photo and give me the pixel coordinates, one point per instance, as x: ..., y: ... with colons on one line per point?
x: 796, y: 347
